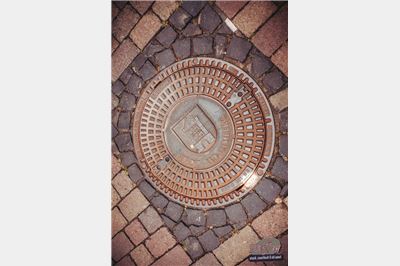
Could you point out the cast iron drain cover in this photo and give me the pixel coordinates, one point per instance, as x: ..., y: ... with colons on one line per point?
x: 203, y: 132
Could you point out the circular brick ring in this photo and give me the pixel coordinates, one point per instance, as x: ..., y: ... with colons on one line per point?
x: 203, y: 132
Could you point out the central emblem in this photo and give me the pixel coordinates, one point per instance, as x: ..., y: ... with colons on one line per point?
x: 196, y: 131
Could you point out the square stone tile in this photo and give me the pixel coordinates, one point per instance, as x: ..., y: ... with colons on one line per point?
x: 136, y: 232
x: 160, y: 242
x: 193, y: 247
x: 202, y: 45
x: 209, y: 19
x: 209, y: 241
x: 236, y: 214
x: 176, y: 256
x: 216, y: 218
x: 253, y: 204
x: 150, y: 219
x: 268, y: 190
x: 142, y: 256
x: 272, y: 222
x: 133, y: 204
x: 120, y: 246
x: 122, y: 183
x: 135, y: 174
x: 181, y: 232
x: 174, y: 211
x: 182, y: 48
x: 118, y: 221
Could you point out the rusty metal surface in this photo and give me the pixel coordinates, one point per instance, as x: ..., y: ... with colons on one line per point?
x: 203, y: 132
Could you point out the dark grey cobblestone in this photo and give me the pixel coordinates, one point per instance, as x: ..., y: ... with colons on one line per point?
x: 273, y: 81
x: 202, y: 45
x: 182, y: 48
x: 167, y: 36
x: 280, y: 169
x: 253, y: 204
x: 209, y: 241
x: 159, y: 201
x: 115, y: 116
x: 147, y: 190
x: 192, y: 30
x: 195, y: 217
x: 127, y: 158
x: 168, y: 222
x: 197, y: 230
x: 209, y: 19
x: 138, y: 62
x: 283, y: 116
x: 135, y: 174
x: 165, y: 58
x: 174, y: 211
x: 134, y: 85
x: 117, y: 87
x: 114, y: 101
x: 179, y: 18
x: 220, y: 45
x: 193, y: 7
x: 268, y: 190
x: 238, y: 48
x: 283, y: 145
x: 224, y: 29
x: 124, y: 142
x: 152, y: 48
x: 223, y: 231
x: 126, y: 75
x: 216, y: 218
x: 284, y: 191
x: 193, y: 247
x: 181, y: 232
x: 236, y: 215
x: 127, y: 101
x: 114, y: 131
x: 259, y: 64
x: 124, y: 120
x: 147, y: 71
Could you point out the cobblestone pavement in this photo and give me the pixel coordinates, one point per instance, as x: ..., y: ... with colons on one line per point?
x: 148, y: 228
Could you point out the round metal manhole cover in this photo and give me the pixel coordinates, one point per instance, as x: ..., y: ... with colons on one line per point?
x: 203, y: 132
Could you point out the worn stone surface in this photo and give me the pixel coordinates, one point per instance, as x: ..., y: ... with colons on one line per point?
x: 138, y: 62
x: 195, y: 217
x: 238, y: 48
x: 151, y: 219
x: 168, y: 222
x: 159, y: 201
x: 192, y: 30
x: 193, y: 247
x: 224, y: 29
x: 120, y: 4
x: 114, y: 44
x: 141, y: 6
x: 124, y: 121
x: 126, y: 75
x: 268, y: 190
x: 128, y: 101
x: 164, y: 9
x: 273, y: 33
x: 239, y: 243
x: 135, y: 174
x: 118, y: 221
x: 209, y: 241
x: 280, y: 58
x: 115, y: 198
x: 236, y: 215
x: 125, y: 261
x: 160, y: 242
x: 283, y: 116
x: 284, y: 251
x: 175, y: 256
x: 167, y: 36
x: 181, y: 232
x: 120, y: 246
x: 133, y: 204
x: 230, y: 8
x: 220, y: 45
x: 147, y: 190
x: 122, y: 183
x: 117, y: 88
x: 134, y: 85
x: 259, y: 64
x: 152, y: 48
x: 279, y: 100
x: 253, y: 204
x: 165, y: 58
x: 193, y: 7
x: 142, y: 256
x: 253, y: 15
x: 124, y: 142
x: 136, y: 232
x: 223, y: 231
x: 147, y: 71
x: 145, y: 29
x: 179, y: 18
x: 209, y: 19
x: 122, y: 57
x: 114, y: 11
x: 208, y: 259
x: 182, y: 48
x: 272, y: 222
x: 114, y: 101
x: 174, y: 211
x: 202, y: 45
x: 125, y: 21
x: 216, y: 218
x: 283, y: 145
x: 280, y: 169
x: 273, y: 81
x: 197, y: 230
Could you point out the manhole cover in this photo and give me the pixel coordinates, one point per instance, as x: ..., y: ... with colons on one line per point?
x: 203, y: 132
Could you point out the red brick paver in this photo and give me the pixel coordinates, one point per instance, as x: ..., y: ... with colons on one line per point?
x: 230, y: 8
x: 176, y: 257
x: 272, y: 222
x: 280, y: 58
x: 115, y: 198
x: 141, y: 6
x: 253, y: 15
x: 120, y: 246
x: 125, y: 21
x: 271, y: 36
x: 145, y: 29
x: 122, y: 57
x: 142, y: 256
x: 126, y: 261
x: 114, y: 44
x: 160, y: 242
x: 118, y: 221
x: 136, y: 232
x: 133, y: 204
x: 164, y: 9
x: 116, y: 166
x: 122, y: 183
x: 279, y: 100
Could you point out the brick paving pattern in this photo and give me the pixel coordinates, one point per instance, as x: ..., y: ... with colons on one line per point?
x: 147, y: 36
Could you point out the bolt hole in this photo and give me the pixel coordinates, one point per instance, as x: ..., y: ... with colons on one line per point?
x: 167, y: 159
x: 240, y: 94
x: 158, y: 167
x: 228, y: 104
